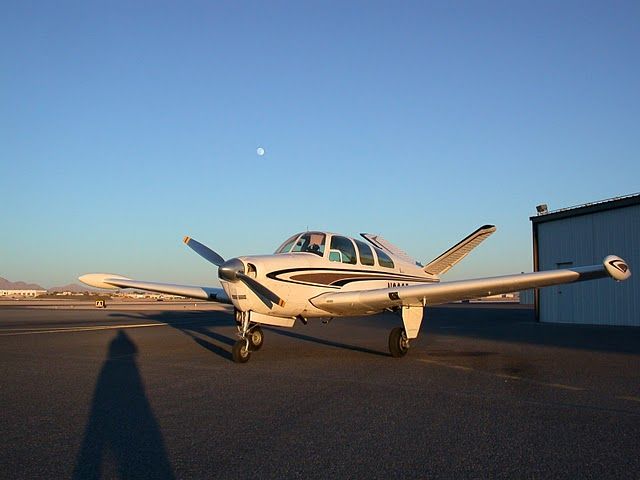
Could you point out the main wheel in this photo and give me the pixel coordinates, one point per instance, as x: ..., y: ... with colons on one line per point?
x: 398, y: 342
x: 240, y: 353
x: 256, y: 338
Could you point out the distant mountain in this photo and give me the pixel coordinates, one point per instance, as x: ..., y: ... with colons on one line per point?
x: 72, y: 287
x: 8, y: 285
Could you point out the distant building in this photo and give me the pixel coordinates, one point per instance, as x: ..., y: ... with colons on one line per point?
x: 503, y: 297
x: 584, y: 235
x: 22, y: 293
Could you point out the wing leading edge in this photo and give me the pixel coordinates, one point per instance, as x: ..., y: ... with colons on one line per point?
x: 368, y: 301
x: 112, y: 281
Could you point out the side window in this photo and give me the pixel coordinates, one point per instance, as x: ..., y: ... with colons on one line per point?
x: 343, y: 248
x: 383, y: 259
x: 366, y: 254
x: 335, y: 256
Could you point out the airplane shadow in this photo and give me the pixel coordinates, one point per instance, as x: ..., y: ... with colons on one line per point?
x: 515, y: 323
x: 198, y: 326
x: 322, y: 341
x: 122, y: 438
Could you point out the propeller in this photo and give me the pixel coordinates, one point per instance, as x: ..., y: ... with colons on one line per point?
x: 232, y: 271
x: 204, y: 251
x: 261, y: 291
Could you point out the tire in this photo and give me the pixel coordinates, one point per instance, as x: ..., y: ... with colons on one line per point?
x: 398, y: 343
x: 240, y: 353
x: 256, y: 338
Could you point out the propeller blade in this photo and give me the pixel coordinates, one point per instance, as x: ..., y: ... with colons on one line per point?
x: 260, y: 290
x: 204, y: 251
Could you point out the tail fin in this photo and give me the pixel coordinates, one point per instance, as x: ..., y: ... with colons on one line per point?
x: 448, y: 259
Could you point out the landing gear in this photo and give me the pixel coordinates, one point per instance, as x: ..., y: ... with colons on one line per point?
x: 256, y: 338
x: 398, y: 342
x: 240, y: 351
x: 251, y: 338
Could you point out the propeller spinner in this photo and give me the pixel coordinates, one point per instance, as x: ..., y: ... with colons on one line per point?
x: 232, y: 271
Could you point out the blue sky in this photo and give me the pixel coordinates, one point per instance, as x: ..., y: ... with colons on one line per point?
x: 126, y: 125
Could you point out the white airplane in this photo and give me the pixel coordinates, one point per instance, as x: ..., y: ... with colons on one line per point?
x: 326, y: 275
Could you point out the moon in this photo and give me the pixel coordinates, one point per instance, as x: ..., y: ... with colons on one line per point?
x: 260, y: 151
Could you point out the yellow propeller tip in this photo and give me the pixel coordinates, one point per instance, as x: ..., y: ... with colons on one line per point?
x: 186, y: 239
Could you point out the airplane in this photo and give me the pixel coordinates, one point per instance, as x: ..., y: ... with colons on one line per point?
x: 323, y: 275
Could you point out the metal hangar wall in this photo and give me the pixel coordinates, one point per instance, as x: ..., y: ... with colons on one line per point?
x: 584, y: 235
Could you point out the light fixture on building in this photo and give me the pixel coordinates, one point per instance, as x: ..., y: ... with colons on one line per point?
x: 542, y: 209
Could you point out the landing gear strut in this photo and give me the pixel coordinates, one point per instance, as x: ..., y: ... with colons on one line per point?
x: 251, y: 338
x: 398, y: 342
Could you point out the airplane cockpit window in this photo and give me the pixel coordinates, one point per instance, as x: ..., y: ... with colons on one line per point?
x: 342, y: 250
x: 366, y: 255
x: 310, y: 242
x: 383, y: 259
x: 286, y: 246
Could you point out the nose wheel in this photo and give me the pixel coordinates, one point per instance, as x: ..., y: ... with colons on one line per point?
x: 251, y: 338
x: 240, y: 352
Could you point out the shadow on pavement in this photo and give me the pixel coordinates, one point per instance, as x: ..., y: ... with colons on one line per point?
x: 122, y: 438
x: 515, y: 323
x: 199, y: 325
x: 500, y: 322
x: 322, y: 341
x: 196, y: 325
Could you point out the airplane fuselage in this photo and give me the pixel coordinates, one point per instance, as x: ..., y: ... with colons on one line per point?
x: 300, y: 277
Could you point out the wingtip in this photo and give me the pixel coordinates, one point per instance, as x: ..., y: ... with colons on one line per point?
x: 101, y: 280
x: 617, y: 268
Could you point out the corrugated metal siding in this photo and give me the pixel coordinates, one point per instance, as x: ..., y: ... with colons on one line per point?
x: 586, y: 240
x: 526, y: 297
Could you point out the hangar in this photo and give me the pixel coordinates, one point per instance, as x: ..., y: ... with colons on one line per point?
x: 584, y: 235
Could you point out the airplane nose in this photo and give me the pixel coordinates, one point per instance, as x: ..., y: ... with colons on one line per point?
x: 228, y: 270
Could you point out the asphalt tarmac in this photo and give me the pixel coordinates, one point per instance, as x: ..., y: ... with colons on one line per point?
x: 485, y: 392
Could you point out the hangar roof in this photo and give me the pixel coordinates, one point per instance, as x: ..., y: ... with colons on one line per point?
x: 587, y: 208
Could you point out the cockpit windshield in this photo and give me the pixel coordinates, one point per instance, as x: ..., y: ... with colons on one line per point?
x: 286, y: 246
x: 308, y: 242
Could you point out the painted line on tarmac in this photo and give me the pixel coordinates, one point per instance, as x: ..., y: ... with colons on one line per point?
x: 460, y: 367
x: 629, y: 397
x: 560, y: 385
x: 91, y: 329
x: 507, y: 376
x: 510, y: 377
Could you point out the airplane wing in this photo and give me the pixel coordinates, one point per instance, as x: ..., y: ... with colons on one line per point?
x: 370, y: 301
x: 112, y: 282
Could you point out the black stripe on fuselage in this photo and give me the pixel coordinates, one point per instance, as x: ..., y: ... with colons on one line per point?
x: 370, y: 276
